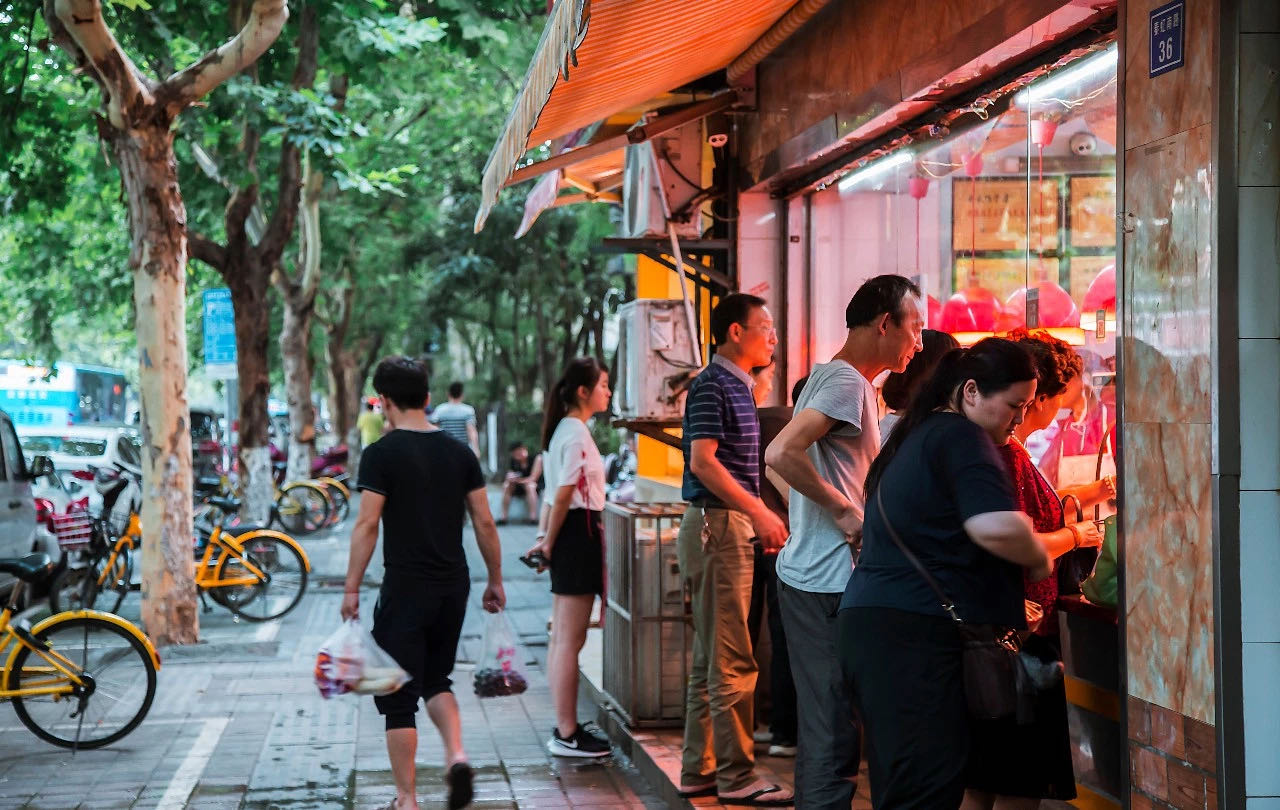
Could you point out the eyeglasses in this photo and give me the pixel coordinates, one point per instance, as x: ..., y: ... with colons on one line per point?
x: 768, y: 330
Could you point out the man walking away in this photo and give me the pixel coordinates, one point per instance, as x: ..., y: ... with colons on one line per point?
x: 458, y: 419
x: 823, y: 454
x: 370, y: 425
x: 721, y: 448
x: 417, y: 482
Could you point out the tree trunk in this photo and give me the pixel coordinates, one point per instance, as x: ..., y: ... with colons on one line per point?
x: 157, y: 224
x: 249, y: 285
x: 295, y: 356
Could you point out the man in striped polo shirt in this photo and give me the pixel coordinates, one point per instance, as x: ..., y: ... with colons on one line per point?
x: 721, y: 447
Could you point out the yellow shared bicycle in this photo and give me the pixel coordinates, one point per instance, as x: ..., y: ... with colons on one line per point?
x: 258, y: 574
x: 79, y: 679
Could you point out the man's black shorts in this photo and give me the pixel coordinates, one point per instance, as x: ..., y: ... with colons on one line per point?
x: 418, y: 623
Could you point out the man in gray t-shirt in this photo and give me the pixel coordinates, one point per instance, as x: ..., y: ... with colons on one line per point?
x: 823, y: 454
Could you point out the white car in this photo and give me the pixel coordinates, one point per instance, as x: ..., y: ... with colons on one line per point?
x: 77, y: 451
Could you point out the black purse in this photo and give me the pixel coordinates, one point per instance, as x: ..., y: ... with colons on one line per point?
x: 996, y: 682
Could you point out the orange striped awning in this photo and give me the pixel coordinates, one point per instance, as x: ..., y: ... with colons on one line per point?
x: 597, y: 57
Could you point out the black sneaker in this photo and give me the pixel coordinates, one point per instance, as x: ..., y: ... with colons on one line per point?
x: 581, y: 743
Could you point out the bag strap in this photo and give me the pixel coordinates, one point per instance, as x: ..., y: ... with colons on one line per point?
x: 947, y: 604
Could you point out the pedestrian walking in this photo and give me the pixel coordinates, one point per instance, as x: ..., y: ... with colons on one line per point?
x: 417, y: 482
x: 781, y: 735
x: 571, y: 540
x: 721, y: 446
x: 1015, y: 765
x: 940, y: 489
x: 458, y: 419
x: 370, y: 424
x: 823, y: 454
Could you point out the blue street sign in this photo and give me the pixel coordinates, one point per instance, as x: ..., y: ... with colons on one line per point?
x: 1167, y: 33
x: 219, y: 329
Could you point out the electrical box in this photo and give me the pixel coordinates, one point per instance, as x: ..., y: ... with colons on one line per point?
x: 679, y: 159
x: 655, y: 359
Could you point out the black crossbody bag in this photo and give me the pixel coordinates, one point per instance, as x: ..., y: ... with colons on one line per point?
x: 996, y: 683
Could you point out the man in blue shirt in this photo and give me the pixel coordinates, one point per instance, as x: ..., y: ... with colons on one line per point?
x: 721, y: 447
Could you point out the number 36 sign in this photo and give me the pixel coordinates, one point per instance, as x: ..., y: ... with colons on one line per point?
x: 1168, y: 24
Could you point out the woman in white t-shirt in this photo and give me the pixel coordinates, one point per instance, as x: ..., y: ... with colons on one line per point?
x: 570, y: 538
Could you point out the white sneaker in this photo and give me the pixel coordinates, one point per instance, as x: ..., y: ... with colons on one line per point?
x: 763, y: 736
x: 782, y: 750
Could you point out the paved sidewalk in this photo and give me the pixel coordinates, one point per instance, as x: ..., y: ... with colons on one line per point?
x: 238, y: 723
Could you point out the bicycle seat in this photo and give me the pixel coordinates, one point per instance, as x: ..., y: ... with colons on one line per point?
x: 226, y: 504
x: 31, y: 568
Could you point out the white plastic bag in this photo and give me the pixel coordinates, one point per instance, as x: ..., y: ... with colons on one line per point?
x: 500, y: 670
x: 351, y: 661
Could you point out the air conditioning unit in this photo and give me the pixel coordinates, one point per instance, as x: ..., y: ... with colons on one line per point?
x: 679, y: 159
x: 655, y: 360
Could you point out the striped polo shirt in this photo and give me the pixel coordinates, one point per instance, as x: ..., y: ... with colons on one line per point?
x: 720, y: 407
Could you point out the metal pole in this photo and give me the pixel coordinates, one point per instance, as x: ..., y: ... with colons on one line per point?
x: 695, y: 345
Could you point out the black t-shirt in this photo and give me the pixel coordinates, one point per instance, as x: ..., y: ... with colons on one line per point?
x: 946, y: 472
x: 425, y: 477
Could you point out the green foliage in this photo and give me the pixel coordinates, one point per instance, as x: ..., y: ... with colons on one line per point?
x: 429, y: 85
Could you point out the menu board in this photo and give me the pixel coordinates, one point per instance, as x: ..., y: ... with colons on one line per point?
x: 1004, y: 277
x: 1001, y: 214
x: 1093, y: 211
x: 1084, y: 269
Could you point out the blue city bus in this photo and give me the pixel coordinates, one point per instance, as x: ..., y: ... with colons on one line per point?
x: 72, y: 395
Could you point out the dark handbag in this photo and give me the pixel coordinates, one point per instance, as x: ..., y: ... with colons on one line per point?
x: 1075, y: 566
x: 996, y: 683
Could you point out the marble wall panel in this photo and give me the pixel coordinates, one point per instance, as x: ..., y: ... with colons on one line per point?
x: 1168, y: 266
x: 1259, y: 133
x: 1175, y: 101
x: 1168, y: 566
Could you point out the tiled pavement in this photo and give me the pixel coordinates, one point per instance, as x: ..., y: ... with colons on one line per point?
x: 237, y: 723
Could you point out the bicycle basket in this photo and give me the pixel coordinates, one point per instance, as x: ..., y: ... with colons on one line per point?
x: 74, y: 531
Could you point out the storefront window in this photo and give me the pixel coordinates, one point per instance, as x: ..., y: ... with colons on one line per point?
x: 1007, y: 224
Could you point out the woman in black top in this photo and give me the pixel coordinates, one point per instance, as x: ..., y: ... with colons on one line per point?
x: 940, y: 484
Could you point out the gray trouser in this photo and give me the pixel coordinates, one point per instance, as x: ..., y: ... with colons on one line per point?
x: 830, y: 737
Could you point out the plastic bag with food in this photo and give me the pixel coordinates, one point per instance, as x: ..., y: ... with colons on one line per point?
x: 500, y: 670
x: 351, y: 661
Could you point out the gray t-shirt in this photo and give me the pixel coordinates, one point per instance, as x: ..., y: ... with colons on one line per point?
x: 453, y: 418
x: 817, y: 557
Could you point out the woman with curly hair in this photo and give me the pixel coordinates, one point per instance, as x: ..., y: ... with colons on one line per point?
x: 1015, y: 766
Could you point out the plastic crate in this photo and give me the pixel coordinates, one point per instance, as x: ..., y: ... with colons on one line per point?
x: 74, y: 531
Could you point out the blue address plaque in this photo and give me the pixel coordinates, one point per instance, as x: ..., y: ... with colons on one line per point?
x: 219, y: 328
x: 1168, y: 35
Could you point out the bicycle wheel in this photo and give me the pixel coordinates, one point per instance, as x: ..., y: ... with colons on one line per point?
x: 302, y: 507
x: 272, y: 597
x: 341, y: 504
x: 113, y: 703
x: 74, y: 588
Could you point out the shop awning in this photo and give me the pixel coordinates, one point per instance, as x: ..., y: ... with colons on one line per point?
x: 597, y: 179
x: 596, y: 58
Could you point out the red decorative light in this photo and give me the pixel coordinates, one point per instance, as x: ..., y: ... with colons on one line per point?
x: 1056, y: 308
x: 973, y: 309
x: 1102, y: 291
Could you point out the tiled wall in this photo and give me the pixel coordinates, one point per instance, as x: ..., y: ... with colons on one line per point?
x: 1258, y: 185
x: 1170, y: 192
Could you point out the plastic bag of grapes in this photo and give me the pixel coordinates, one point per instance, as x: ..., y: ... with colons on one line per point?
x: 500, y: 670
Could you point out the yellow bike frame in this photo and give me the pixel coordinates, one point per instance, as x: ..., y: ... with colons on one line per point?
x: 63, y: 674
x: 232, y: 547
x: 207, y: 568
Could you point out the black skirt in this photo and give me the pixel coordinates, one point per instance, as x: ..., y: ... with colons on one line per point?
x: 1032, y: 760
x: 577, y: 557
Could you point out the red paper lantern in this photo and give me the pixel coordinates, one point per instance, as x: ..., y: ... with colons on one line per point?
x: 1056, y: 308
x: 973, y: 309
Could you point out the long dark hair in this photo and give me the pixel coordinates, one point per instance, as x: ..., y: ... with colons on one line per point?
x: 899, y: 387
x: 581, y: 371
x: 993, y: 363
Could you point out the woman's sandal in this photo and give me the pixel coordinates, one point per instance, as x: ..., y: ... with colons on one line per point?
x: 765, y: 795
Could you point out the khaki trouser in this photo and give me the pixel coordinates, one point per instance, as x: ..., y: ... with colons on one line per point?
x: 716, y: 559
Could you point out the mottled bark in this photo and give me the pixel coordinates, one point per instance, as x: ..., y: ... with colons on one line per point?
x: 137, y: 122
